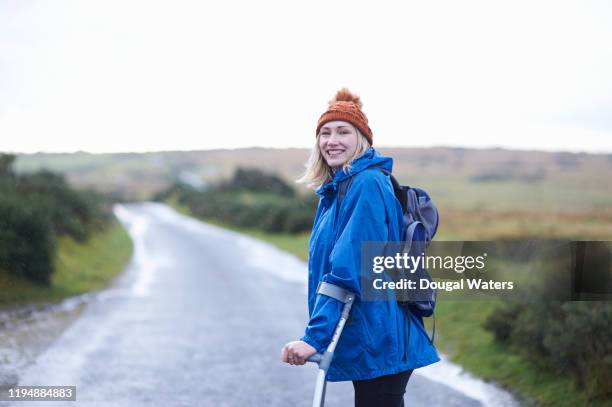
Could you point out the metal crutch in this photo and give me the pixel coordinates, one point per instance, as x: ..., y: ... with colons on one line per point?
x: 324, y: 359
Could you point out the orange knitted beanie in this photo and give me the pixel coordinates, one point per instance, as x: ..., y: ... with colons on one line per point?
x: 347, y: 107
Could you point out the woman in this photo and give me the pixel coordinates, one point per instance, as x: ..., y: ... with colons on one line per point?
x: 379, y: 348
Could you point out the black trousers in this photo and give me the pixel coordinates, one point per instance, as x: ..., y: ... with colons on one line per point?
x: 384, y: 391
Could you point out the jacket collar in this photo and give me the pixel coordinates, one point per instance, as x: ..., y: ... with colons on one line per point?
x: 371, y: 158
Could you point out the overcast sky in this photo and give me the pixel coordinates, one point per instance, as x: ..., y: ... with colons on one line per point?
x: 106, y: 76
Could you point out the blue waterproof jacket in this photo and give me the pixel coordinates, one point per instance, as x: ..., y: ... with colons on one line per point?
x: 375, y: 339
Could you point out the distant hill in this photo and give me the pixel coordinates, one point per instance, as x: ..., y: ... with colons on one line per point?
x: 457, y: 177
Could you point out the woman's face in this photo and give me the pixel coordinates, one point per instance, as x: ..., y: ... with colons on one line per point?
x: 337, y: 142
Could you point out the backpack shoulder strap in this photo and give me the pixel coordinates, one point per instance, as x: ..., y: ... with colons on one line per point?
x: 398, y: 190
x: 343, y: 187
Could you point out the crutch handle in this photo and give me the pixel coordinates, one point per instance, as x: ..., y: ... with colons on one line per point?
x: 322, y: 359
x: 316, y: 358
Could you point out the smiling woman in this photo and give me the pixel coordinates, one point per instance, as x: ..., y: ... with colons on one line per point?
x: 381, y: 345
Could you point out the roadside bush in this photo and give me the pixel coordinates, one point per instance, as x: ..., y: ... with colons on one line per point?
x: 572, y: 337
x: 274, y: 218
x: 71, y: 212
x: 27, y: 242
x: 301, y: 216
x: 299, y: 220
x: 253, y: 179
x: 34, y: 209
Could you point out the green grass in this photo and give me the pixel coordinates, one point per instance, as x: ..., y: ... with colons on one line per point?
x: 79, y: 268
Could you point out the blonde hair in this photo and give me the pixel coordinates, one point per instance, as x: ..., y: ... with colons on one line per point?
x: 318, y: 172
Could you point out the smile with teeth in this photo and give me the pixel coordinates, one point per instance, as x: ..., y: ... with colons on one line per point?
x: 333, y: 153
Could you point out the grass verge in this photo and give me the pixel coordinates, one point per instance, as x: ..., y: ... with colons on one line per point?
x: 79, y: 268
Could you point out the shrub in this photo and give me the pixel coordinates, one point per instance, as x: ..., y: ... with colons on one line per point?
x: 572, y: 337
x: 255, y: 180
x: 27, y: 243
x: 71, y: 212
x: 36, y: 207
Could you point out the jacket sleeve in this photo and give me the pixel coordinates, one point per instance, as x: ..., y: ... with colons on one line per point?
x: 361, y: 218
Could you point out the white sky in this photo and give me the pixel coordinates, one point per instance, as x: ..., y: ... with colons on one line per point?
x: 105, y: 76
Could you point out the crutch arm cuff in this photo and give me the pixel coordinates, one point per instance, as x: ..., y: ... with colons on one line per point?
x: 341, y: 294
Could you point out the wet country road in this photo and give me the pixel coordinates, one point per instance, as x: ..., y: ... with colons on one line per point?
x: 198, y: 319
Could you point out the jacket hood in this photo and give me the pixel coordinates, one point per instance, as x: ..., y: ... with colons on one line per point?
x: 371, y: 158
